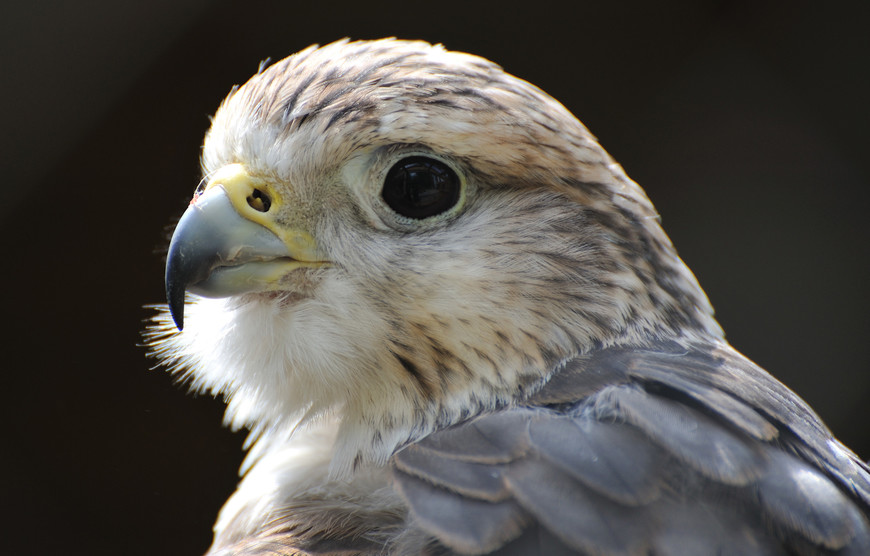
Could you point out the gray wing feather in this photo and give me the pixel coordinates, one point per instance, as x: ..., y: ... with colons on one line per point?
x: 590, y: 522
x: 499, y: 438
x: 535, y: 539
x: 702, y: 530
x: 638, y: 451
x: 722, y: 403
x: 476, y: 480
x: 691, y: 436
x: 610, y: 458
x: 801, y: 499
x: 473, y: 526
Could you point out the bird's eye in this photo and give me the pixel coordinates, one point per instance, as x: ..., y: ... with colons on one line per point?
x: 419, y: 187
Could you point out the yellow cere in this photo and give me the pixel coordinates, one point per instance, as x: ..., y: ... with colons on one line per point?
x: 247, y: 193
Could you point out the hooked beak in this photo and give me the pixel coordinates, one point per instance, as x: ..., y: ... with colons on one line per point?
x: 228, y: 242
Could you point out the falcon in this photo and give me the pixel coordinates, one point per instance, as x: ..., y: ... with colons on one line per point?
x: 453, y: 325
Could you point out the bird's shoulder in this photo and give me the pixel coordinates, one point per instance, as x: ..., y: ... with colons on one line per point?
x: 665, y: 449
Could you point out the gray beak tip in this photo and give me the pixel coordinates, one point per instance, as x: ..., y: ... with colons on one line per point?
x: 175, y: 297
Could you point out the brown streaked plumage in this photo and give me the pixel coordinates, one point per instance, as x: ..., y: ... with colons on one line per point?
x: 521, y: 366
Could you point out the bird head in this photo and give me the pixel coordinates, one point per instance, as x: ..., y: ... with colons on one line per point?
x: 398, y: 237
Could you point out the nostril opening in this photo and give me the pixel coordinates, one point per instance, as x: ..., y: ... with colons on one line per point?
x: 259, y: 201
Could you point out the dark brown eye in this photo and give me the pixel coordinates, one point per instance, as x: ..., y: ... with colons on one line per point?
x: 419, y: 187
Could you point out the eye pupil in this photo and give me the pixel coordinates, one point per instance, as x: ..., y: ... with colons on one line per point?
x: 419, y: 187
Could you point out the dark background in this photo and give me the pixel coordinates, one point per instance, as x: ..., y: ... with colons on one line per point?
x: 748, y: 123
